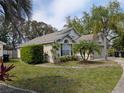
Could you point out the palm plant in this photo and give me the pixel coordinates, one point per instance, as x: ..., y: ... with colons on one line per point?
x: 15, y: 12
x: 85, y: 48
x: 4, y: 75
x: 55, y: 48
x: 15, y: 9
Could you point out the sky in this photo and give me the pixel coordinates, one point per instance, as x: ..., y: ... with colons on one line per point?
x: 54, y: 12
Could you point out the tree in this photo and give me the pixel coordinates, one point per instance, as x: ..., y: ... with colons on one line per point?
x: 3, y: 32
x: 15, y: 12
x: 107, y: 20
x: 85, y: 48
x: 29, y: 30
x: 8, y: 34
x: 81, y: 25
x: 118, y: 42
x: 33, y: 29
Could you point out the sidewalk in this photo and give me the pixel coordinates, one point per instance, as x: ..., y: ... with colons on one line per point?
x: 4, y: 88
x: 119, y: 88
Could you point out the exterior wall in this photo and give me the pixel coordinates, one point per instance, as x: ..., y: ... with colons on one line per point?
x: 47, y: 50
x: 100, y: 41
x: 101, y: 55
x: 18, y: 53
x: 73, y: 35
x: 66, y: 38
x: 9, y: 52
x: 80, y: 58
x: 1, y: 50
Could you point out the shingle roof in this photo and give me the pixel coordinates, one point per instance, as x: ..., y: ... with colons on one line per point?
x: 86, y: 37
x: 90, y: 37
x: 49, y: 38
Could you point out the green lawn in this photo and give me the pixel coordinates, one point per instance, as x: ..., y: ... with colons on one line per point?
x: 62, y: 80
x: 121, y: 58
x: 81, y: 64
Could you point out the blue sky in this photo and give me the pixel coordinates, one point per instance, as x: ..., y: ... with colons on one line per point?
x: 54, y: 12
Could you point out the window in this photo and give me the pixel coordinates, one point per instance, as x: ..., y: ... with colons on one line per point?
x: 66, y: 48
x: 66, y: 41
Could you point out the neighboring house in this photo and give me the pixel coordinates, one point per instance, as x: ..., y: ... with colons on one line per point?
x: 1, y: 48
x: 11, y: 52
x: 66, y: 38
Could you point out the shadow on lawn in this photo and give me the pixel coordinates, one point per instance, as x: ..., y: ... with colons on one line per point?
x: 92, y: 62
x: 50, y: 84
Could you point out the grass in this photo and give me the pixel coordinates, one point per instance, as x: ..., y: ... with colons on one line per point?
x: 62, y: 80
x: 121, y: 58
x: 80, y: 64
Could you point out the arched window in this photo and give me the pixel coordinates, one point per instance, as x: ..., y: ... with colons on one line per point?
x: 66, y: 48
x: 66, y: 41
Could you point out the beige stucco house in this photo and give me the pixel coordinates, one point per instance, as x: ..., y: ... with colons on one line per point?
x: 1, y: 48
x: 66, y: 38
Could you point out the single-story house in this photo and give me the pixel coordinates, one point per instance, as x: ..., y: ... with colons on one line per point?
x: 1, y: 48
x: 66, y: 38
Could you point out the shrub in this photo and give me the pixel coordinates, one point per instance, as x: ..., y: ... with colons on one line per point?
x: 67, y: 58
x: 4, y: 75
x: 86, y: 48
x: 111, y: 51
x: 74, y: 58
x: 32, y: 54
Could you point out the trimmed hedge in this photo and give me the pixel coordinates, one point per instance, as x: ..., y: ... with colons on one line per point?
x: 32, y: 54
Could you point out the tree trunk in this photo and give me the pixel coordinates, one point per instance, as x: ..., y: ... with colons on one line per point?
x: 88, y: 54
x: 84, y: 56
x: 81, y: 54
x: 105, y: 47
